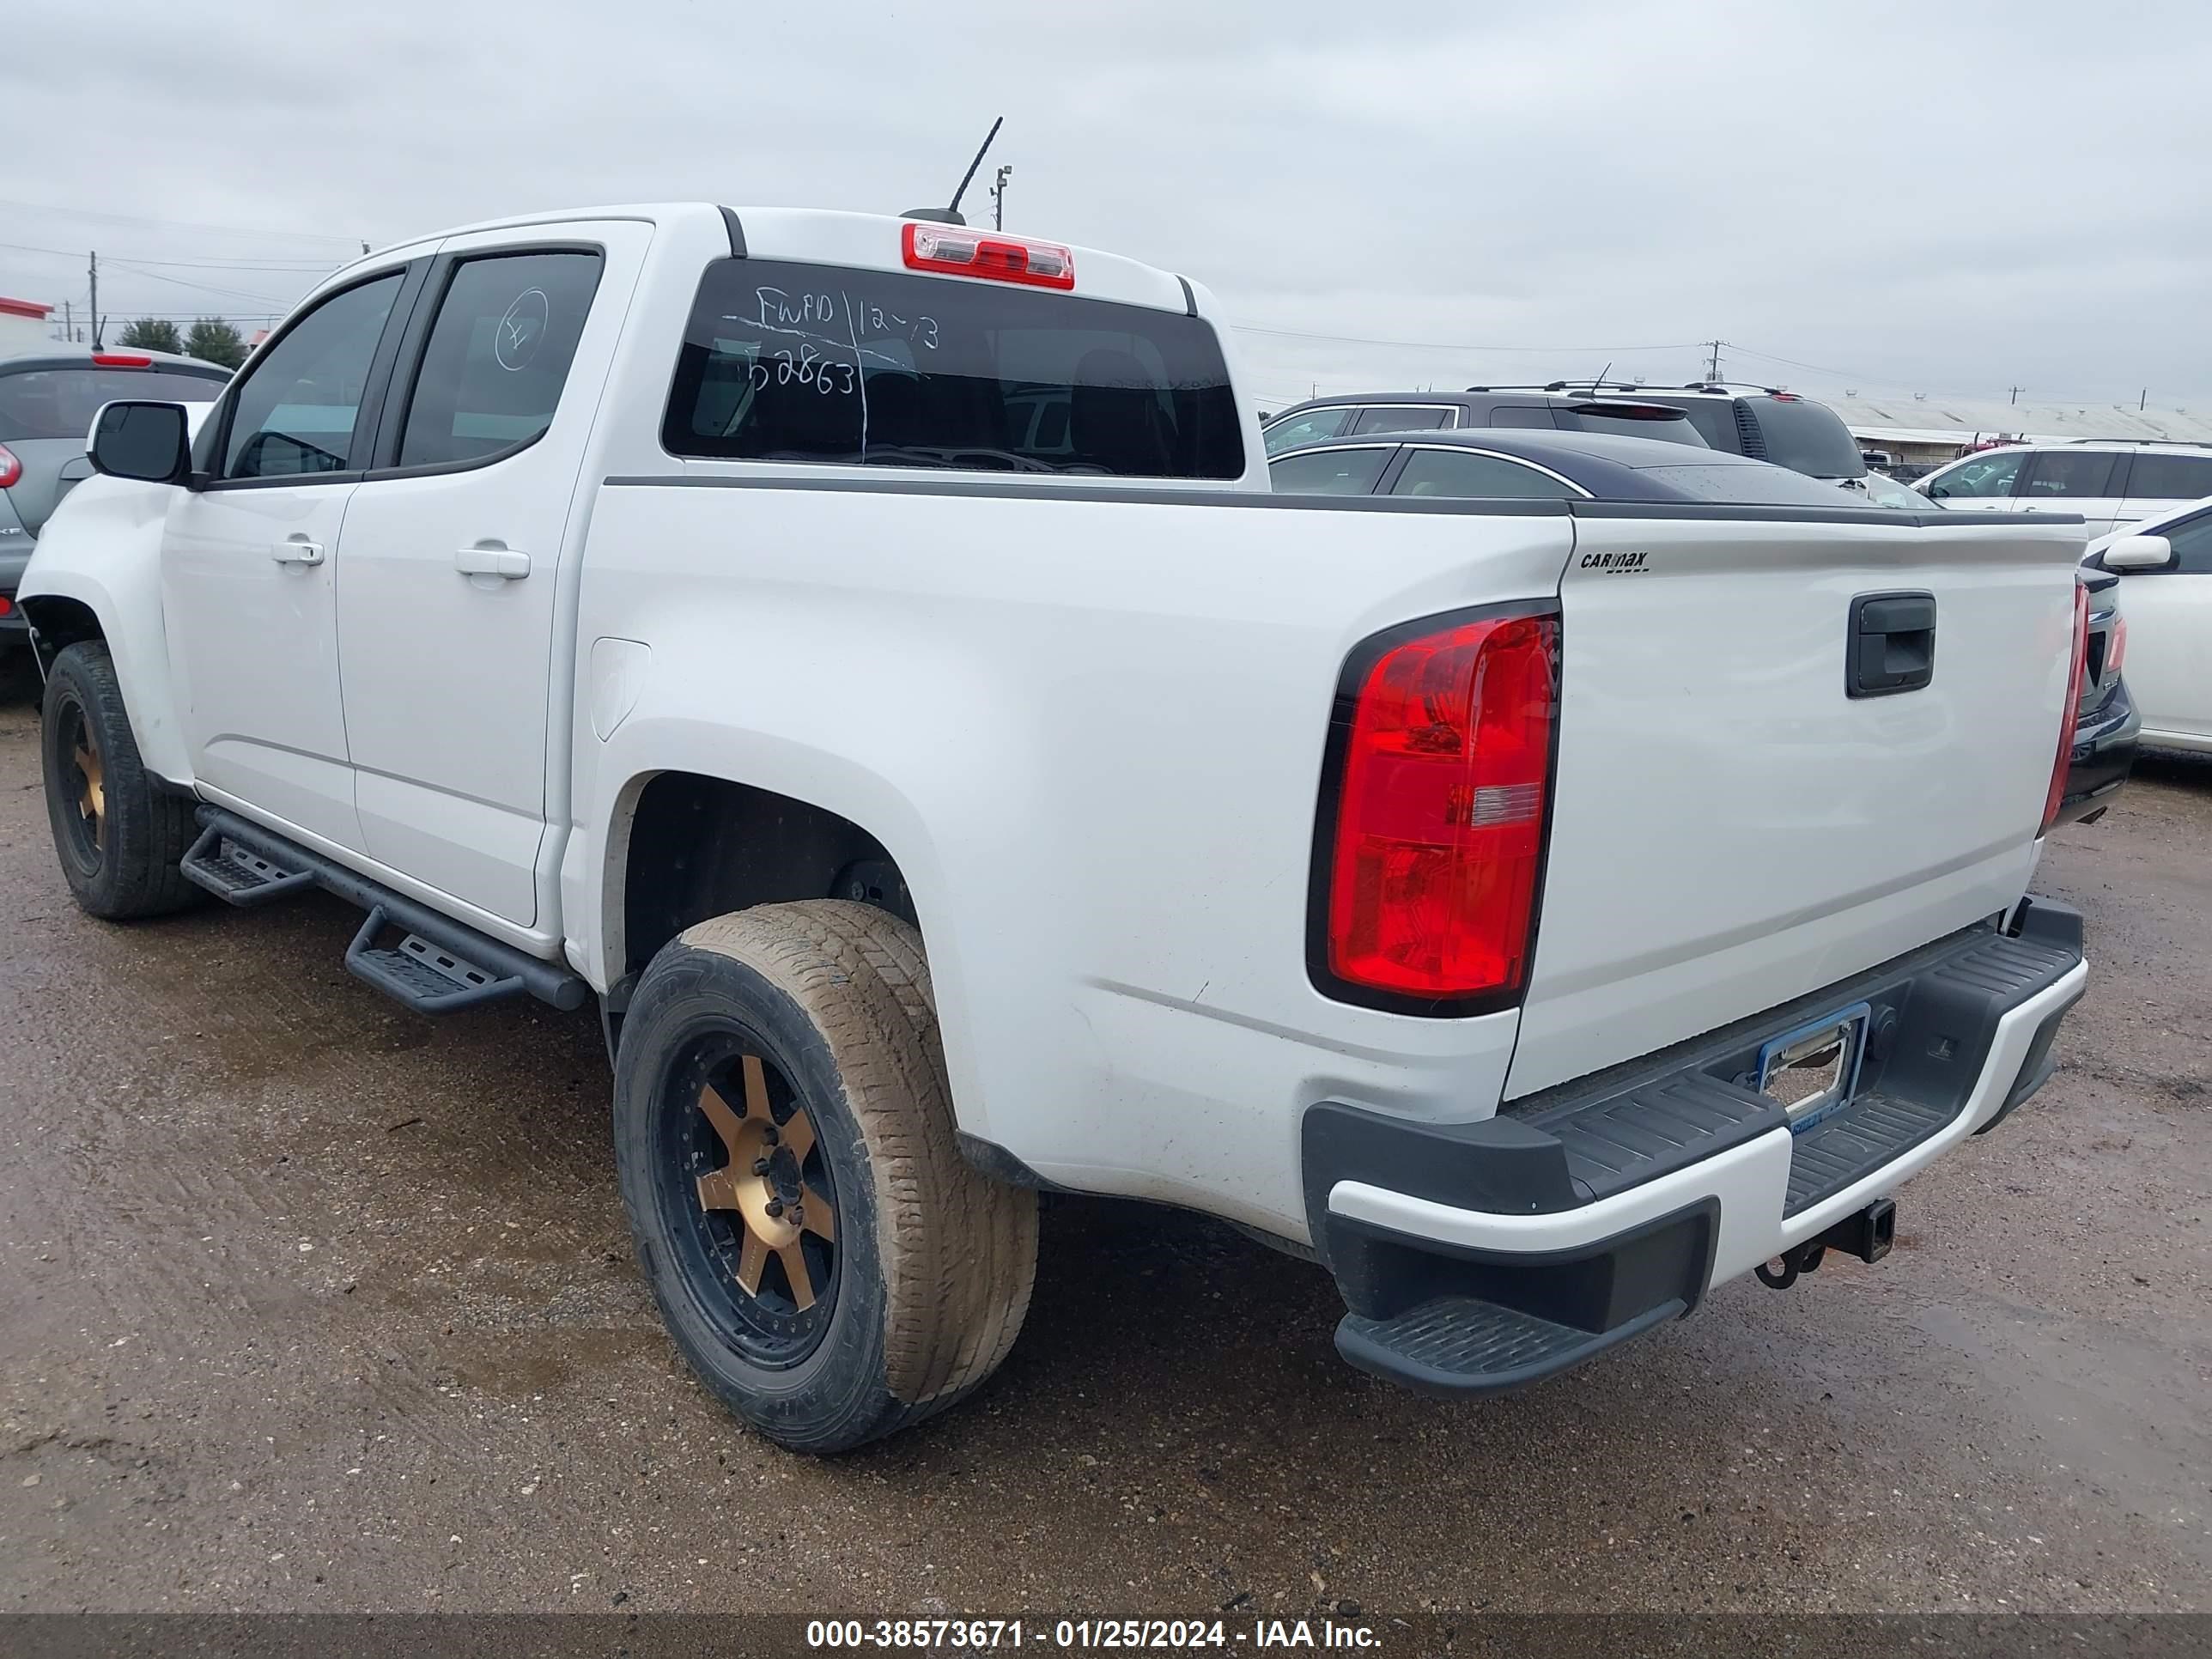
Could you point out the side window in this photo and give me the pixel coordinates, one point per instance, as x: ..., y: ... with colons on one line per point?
x: 1309, y: 427
x: 2170, y: 478
x: 1536, y: 415
x: 1402, y: 417
x: 498, y: 355
x: 2192, y: 546
x: 1984, y: 476
x: 1463, y: 472
x: 2062, y: 474
x: 1330, y: 471
x: 295, y: 413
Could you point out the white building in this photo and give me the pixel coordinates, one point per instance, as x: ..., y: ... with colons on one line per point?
x: 24, y: 326
x: 1926, y: 427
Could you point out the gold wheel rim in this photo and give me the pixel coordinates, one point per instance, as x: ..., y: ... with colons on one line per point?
x: 92, y: 793
x: 763, y: 1187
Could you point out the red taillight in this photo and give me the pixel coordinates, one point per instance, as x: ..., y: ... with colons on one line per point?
x: 2116, y: 645
x: 122, y: 360
x: 1439, y: 824
x: 2073, y: 699
x: 11, y: 468
x: 7, y: 605
x: 967, y: 253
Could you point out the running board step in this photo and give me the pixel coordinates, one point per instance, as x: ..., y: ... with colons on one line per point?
x: 1462, y: 1345
x: 426, y: 976
x: 239, y: 875
x: 439, y: 965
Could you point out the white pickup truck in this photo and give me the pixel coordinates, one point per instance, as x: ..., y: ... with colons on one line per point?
x: 863, y: 656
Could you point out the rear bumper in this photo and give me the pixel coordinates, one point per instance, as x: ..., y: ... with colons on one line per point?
x: 1477, y: 1257
x: 15, y: 556
x: 2103, y: 755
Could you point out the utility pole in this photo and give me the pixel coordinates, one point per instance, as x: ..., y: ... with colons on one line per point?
x: 999, y: 198
x: 2016, y: 391
x: 68, y: 327
x: 94, y: 273
x: 1713, y: 367
x: 2143, y: 402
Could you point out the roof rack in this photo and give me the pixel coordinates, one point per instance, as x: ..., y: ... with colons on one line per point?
x: 2147, y: 443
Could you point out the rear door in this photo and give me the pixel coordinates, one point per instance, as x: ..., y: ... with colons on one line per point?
x: 2161, y: 480
x: 2084, y: 480
x: 453, y: 546
x: 2168, y: 662
x: 1731, y: 827
x: 1406, y: 418
x: 1306, y: 427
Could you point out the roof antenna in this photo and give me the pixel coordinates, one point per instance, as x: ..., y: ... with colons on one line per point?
x: 1598, y: 384
x: 950, y: 213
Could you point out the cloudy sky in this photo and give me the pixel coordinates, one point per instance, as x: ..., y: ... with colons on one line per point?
x: 1945, y: 196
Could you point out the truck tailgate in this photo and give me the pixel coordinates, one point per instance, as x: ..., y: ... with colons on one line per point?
x: 1730, y: 828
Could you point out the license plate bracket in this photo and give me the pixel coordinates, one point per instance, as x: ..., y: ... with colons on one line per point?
x: 1812, y: 1071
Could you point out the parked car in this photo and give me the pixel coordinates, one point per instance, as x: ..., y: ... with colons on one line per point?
x: 2108, y: 725
x: 1507, y: 466
x: 47, y: 400
x: 2166, y: 596
x: 2110, y: 482
x: 1764, y: 422
x: 939, y: 807
x: 1422, y: 412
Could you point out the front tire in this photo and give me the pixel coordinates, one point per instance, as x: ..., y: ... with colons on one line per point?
x: 825, y: 1260
x: 119, y: 834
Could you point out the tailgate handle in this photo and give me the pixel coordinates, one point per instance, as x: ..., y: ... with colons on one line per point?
x: 1890, y: 646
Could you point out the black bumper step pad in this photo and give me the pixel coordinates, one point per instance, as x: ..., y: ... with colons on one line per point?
x: 422, y: 974
x: 237, y: 874
x: 1461, y: 1345
x: 1873, y: 1130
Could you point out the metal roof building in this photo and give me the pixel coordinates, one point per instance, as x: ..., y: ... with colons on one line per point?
x: 1931, y: 419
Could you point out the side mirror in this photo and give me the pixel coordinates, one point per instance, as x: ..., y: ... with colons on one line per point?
x: 2138, y: 553
x: 1933, y: 492
x: 150, y: 442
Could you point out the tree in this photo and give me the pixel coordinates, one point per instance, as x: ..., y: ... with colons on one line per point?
x: 214, y: 341
x: 152, y: 334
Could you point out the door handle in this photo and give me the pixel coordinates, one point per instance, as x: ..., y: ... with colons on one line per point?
x: 297, y: 550
x: 1891, y: 644
x: 502, y: 561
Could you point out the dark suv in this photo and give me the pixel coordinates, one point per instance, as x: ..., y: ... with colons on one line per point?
x: 1762, y: 422
x: 1544, y: 410
x: 47, y: 400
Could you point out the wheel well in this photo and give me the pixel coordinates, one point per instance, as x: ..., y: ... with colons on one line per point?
x: 702, y: 846
x: 61, y: 622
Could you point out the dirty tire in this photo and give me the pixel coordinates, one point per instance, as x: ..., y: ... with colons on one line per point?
x: 128, y: 867
x: 934, y: 1261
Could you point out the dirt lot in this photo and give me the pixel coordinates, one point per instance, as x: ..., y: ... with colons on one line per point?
x: 308, y: 1303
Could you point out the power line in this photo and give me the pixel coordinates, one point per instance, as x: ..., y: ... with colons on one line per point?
x: 1445, y: 345
x: 177, y: 224
x: 185, y: 264
x: 203, y: 287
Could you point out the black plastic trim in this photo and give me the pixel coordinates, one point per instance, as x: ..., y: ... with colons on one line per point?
x: 1189, y: 299
x: 543, y: 980
x: 895, y: 483
x: 1342, y: 713
x: 737, y: 233
x: 1742, y: 512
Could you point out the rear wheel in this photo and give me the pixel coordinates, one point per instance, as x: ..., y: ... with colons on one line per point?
x: 120, y: 836
x: 826, y: 1261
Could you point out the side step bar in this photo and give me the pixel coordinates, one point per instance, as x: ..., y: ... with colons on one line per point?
x: 440, y: 965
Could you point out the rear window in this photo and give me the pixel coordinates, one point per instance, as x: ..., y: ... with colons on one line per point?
x: 1670, y: 425
x: 60, y: 403
x: 1749, y: 486
x: 794, y: 362
x: 1807, y: 437
x: 1715, y: 419
x: 2171, y: 477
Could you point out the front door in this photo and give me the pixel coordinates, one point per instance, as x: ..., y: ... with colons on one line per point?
x: 452, y: 549
x: 248, y: 563
x: 2168, y: 613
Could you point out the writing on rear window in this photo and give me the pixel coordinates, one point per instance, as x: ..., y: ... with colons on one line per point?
x: 787, y: 363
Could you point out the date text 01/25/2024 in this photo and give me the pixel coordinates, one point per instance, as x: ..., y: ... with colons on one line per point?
x: 1150, y: 1634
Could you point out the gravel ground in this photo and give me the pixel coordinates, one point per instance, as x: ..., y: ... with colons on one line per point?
x: 308, y: 1303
